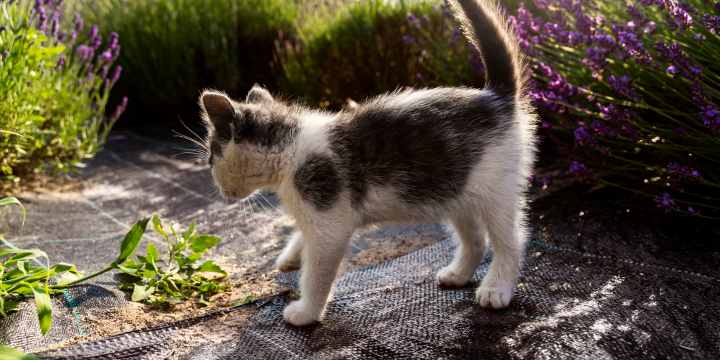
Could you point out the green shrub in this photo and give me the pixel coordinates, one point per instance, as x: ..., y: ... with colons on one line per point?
x: 354, y: 51
x: 52, y: 101
x: 172, y: 49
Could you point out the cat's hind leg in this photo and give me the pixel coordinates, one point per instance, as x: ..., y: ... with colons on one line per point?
x: 469, y: 252
x: 291, y: 258
x: 502, y: 217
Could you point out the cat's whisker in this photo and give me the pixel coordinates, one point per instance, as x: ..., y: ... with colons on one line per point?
x: 263, y: 206
x: 196, y: 135
x: 268, y: 201
x: 177, y: 134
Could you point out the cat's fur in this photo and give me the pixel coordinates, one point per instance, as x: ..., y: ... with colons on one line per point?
x: 455, y: 154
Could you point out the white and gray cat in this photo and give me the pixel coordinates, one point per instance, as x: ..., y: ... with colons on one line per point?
x: 446, y: 154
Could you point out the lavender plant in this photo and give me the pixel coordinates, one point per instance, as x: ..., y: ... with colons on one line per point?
x: 54, y: 87
x: 626, y: 92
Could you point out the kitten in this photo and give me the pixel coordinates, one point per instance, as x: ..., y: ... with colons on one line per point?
x: 456, y: 154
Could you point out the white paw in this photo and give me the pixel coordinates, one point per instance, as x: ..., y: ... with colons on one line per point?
x: 449, y: 277
x: 298, y: 315
x: 493, y: 298
x: 285, y: 264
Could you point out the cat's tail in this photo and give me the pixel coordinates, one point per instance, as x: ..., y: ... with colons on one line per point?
x: 487, y: 28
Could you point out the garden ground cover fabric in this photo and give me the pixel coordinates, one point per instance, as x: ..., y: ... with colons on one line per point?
x: 602, y: 278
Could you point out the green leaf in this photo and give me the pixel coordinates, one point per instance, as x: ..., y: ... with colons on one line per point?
x: 178, y: 298
x: 203, y: 242
x: 192, y: 258
x: 21, y: 255
x: 67, y: 278
x: 152, y: 251
x: 132, y: 239
x: 141, y: 292
x: 157, y: 223
x: 12, y: 200
x: 187, y: 233
x: 149, y: 274
x: 8, y: 353
x: 43, y: 305
x: 248, y: 299
x: 128, y: 278
x: 10, y: 305
x: 23, y: 266
x: 208, y: 266
x: 203, y: 300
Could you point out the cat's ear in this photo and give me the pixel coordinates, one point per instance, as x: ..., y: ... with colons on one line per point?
x: 258, y: 95
x: 219, y: 109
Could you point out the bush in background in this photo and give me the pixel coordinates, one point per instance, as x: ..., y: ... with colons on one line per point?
x: 54, y: 86
x: 172, y: 49
x: 351, y: 51
x: 625, y: 92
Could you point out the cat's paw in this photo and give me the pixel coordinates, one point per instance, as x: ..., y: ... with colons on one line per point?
x: 298, y: 314
x: 493, y: 298
x: 286, y: 264
x: 449, y: 277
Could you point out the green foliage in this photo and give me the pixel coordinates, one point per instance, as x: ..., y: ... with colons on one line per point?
x: 150, y: 282
x: 8, y: 353
x: 50, y: 109
x: 354, y: 51
x: 248, y: 299
x: 174, y: 48
x: 160, y: 281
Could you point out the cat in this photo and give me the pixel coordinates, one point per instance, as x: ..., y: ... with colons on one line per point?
x: 437, y: 154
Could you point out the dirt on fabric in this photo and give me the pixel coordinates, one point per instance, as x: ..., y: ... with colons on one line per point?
x: 384, y: 249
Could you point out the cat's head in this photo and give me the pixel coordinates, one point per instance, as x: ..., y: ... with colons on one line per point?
x: 244, y: 138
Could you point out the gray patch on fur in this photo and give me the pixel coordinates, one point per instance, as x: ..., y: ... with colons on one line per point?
x: 318, y: 181
x: 425, y: 148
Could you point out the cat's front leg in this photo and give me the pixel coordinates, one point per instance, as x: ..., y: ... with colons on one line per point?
x: 323, y: 252
x: 291, y: 258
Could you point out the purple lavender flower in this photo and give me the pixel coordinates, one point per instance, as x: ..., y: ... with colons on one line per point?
x: 584, y: 138
x: 116, y: 74
x: 408, y: 39
x: 419, y: 77
x: 700, y: 38
x: 677, y: 173
x: 73, y: 36
x: 116, y: 53
x: 532, y: 179
x: 426, y: 19
x: 105, y: 57
x: 579, y: 169
x: 95, y: 42
x: 55, y: 25
x: 120, y: 109
x: 60, y: 63
x: 682, y: 133
x: 78, y: 23
x: 89, y: 70
x: 456, y: 33
x: 666, y: 203
x: 5, y: 55
x: 671, y: 70
x: 3, y: 28
x: 112, y: 42
x: 42, y: 19
x: 413, y: 19
x: 622, y: 87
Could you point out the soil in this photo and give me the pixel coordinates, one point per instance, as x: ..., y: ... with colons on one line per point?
x: 384, y: 249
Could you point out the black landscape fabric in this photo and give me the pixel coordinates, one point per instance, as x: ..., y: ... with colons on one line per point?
x: 601, y: 278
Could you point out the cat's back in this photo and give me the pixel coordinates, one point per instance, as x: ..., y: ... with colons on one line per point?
x: 424, y: 142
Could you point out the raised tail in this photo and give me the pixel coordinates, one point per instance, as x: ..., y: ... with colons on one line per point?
x: 488, y: 29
